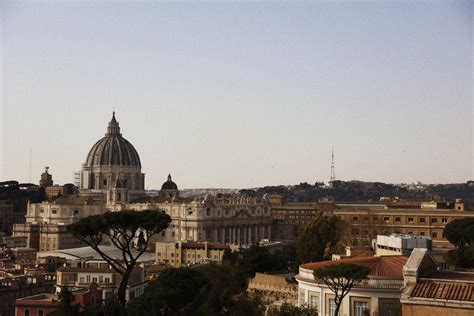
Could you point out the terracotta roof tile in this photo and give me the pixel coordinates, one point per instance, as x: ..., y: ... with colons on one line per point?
x: 386, y: 266
x: 444, y: 291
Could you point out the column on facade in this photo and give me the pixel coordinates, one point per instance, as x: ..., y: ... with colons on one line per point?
x: 257, y: 239
x: 249, y: 231
x: 216, y: 235
x: 245, y: 235
x: 238, y: 235
x: 233, y: 235
x: 223, y: 235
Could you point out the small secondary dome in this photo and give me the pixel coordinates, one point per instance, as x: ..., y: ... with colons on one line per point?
x: 113, y: 149
x: 169, y: 184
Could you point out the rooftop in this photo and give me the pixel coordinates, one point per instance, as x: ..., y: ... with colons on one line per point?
x: 444, y: 291
x: 387, y: 266
x: 39, y: 297
x: 210, y: 245
x: 87, y: 253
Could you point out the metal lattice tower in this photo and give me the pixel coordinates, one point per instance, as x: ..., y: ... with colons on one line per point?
x: 333, y: 171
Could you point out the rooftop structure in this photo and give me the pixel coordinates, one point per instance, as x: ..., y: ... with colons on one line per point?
x: 87, y: 253
x: 429, y: 291
x: 400, y: 244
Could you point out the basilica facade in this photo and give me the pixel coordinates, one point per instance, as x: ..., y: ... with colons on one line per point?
x: 111, y: 180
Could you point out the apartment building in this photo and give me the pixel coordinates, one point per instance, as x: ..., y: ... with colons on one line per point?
x: 289, y: 217
x: 427, y: 219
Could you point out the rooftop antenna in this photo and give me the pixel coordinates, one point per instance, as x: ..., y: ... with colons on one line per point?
x: 333, y: 171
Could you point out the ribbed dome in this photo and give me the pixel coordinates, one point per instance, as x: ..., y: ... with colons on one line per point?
x: 169, y: 185
x: 113, y: 149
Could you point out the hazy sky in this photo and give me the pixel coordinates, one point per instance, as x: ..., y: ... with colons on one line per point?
x: 241, y: 94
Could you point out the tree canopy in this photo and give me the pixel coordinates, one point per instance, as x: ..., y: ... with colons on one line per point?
x: 341, y: 278
x: 66, y: 306
x: 287, y: 309
x: 460, y: 233
x: 121, y: 229
x: 202, y: 291
x: 261, y: 259
x: 175, y: 291
x: 317, y: 240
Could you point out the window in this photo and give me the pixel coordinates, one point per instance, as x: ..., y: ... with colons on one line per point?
x: 360, y: 308
x: 366, y: 218
x: 332, y: 307
x: 434, y: 220
x: 386, y: 219
x: 107, y: 280
x: 27, y: 312
x: 41, y: 210
x: 54, y: 211
x: 81, y: 280
x: 434, y: 235
x: 410, y: 220
x: 105, y: 181
x: 355, y: 218
x: 101, y: 279
x: 94, y: 280
x: 314, y: 301
x: 422, y: 220
x: 226, y: 212
x: 444, y: 220
x: 208, y: 212
x: 398, y: 219
x: 422, y: 233
x: 375, y: 218
x: 40, y: 312
x: 355, y: 231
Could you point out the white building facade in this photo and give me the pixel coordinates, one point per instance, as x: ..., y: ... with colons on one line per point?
x: 379, y: 295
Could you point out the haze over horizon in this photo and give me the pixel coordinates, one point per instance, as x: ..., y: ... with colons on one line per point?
x: 241, y: 95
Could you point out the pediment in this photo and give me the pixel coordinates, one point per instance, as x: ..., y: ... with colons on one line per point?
x: 242, y: 213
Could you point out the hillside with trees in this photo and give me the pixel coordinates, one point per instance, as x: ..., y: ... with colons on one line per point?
x: 359, y: 191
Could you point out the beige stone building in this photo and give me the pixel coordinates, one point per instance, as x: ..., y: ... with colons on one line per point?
x: 228, y: 219
x: 274, y: 289
x: 426, y: 219
x: 111, y: 180
x: 178, y: 254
